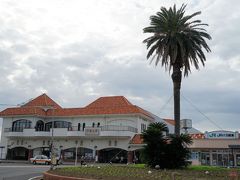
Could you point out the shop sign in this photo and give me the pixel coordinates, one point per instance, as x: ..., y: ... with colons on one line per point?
x: 91, y: 131
x: 221, y: 135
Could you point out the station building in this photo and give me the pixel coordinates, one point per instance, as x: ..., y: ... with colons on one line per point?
x: 106, y: 130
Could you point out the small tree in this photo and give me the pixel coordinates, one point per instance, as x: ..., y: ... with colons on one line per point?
x: 177, y: 151
x: 154, y: 152
x: 166, y: 151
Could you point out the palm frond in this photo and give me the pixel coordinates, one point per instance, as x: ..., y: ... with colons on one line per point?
x: 176, y: 39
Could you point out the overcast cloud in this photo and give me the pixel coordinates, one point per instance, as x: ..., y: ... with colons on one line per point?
x: 76, y: 51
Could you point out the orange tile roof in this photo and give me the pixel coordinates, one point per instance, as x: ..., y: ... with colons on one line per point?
x: 170, y: 121
x: 41, y: 101
x: 137, y: 139
x: 101, y: 106
x: 112, y: 101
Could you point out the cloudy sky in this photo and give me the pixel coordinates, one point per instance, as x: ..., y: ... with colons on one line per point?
x: 76, y: 51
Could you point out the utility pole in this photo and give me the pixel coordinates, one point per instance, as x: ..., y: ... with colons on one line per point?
x: 76, y: 153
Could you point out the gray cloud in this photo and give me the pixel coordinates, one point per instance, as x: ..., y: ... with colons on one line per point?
x: 75, y: 55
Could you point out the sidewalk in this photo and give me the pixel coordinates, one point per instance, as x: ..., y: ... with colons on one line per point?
x: 14, y: 161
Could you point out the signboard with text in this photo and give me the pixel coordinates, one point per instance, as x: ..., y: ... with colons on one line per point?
x: 221, y: 135
x: 91, y: 131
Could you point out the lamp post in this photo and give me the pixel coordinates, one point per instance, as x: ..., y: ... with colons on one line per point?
x: 53, y: 157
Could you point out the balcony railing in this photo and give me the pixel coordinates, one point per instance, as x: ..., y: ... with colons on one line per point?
x: 106, y: 128
x: 16, y: 129
x: 73, y: 131
x: 118, y: 128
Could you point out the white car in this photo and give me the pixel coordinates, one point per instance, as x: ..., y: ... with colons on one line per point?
x: 40, y: 159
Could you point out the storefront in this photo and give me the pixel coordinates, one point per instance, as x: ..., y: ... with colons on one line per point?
x: 216, y: 148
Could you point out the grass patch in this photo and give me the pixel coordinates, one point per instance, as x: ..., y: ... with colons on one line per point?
x: 207, y: 168
x: 140, y: 172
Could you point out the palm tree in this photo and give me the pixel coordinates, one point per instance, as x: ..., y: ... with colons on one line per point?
x: 178, y: 152
x: 154, y: 136
x: 177, y: 43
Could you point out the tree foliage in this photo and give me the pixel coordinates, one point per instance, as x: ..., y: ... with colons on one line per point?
x: 166, y: 151
x: 176, y: 40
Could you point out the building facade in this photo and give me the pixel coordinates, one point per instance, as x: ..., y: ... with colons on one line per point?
x: 100, y: 131
x: 216, y: 148
x: 106, y: 130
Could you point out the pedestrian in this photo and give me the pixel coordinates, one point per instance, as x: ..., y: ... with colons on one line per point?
x: 121, y: 159
x: 82, y: 160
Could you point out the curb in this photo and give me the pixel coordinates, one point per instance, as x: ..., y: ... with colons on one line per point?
x: 49, y: 176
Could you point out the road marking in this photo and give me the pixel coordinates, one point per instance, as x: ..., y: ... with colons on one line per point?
x: 34, y: 177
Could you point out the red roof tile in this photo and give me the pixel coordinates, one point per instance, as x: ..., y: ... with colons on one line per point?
x: 137, y: 139
x: 101, y: 106
x: 111, y: 101
x: 41, y: 101
x: 170, y: 121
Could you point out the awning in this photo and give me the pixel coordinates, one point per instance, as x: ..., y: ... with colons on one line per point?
x: 234, y: 146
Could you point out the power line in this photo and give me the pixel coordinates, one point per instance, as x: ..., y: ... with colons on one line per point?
x: 165, y: 105
x: 197, y: 109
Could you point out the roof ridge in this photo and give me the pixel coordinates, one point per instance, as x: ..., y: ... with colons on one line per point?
x: 43, y: 97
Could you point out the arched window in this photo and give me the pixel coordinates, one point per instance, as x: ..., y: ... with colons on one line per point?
x: 93, y: 124
x: 19, y: 125
x: 98, y: 124
x: 83, y: 127
x: 39, y: 125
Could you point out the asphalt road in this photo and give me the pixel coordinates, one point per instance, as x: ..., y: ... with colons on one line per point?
x: 15, y: 171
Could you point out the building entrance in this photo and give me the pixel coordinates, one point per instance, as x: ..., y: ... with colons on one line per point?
x: 18, y: 153
x: 114, y: 155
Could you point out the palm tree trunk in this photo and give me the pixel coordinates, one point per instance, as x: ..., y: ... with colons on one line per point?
x: 177, y: 78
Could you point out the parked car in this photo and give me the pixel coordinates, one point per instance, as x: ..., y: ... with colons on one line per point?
x: 40, y: 159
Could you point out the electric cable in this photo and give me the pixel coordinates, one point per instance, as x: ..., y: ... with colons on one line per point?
x: 197, y: 109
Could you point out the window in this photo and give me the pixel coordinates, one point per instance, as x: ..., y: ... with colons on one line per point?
x: 83, y: 127
x: 81, y: 142
x: 79, y: 126
x: 21, y: 142
x: 62, y: 124
x: 48, y: 126
x: 58, y: 124
x: 39, y: 125
x: 19, y: 125
x: 98, y: 124
x: 115, y: 143
x: 109, y: 143
x: 17, y: 142
x: 93, y: 124
x: 43, y: 142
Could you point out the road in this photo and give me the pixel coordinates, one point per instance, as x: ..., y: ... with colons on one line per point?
x: 15, y: 171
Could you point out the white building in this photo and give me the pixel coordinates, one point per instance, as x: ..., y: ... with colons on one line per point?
x: 106, y: 128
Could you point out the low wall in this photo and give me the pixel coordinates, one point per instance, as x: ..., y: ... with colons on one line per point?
x: 49, y: 176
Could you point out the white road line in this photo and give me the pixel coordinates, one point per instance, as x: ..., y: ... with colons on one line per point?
x: 34, y: 177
